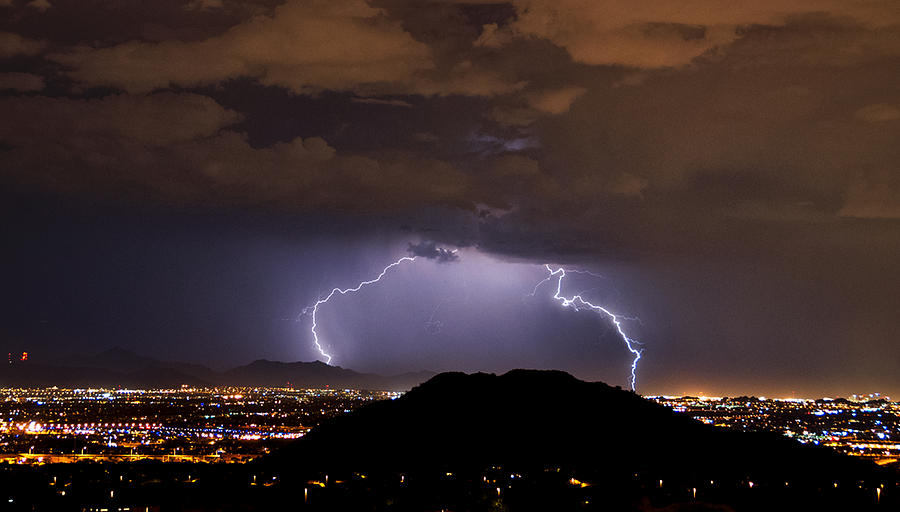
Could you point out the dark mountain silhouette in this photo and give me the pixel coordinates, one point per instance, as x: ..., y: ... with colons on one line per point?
x: 542, y: 440
x: 119, y: 367
x: 118, y: 359
x: 546, y: 419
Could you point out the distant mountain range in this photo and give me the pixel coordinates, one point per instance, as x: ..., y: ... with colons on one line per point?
x: 118, y: 367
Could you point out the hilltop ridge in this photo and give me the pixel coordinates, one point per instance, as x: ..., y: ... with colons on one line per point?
x: 545, y: 418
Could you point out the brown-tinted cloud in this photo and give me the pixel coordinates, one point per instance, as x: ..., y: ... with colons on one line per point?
x: 878, y: 112
x: 736, y: 134
x: 12, y: 45
x: 23, y: 82
x: 873, y: 199
x: 781, y: 110
x: 179, y: 148
x: 658, y: 33
x: 39, y: 5
x: 303, y: 46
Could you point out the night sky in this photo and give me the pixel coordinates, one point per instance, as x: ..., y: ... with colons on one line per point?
x: 182, y: 178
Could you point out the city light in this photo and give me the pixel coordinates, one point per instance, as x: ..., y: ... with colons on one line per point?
x: 39, y: 426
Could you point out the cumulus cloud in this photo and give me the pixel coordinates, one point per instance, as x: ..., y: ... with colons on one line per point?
x: 13, y: 44
x: 768, y: 124
x: 201, y: 5
x: 556, y: 101
x: 155, y: 120
x: 536, y: 104
x: 40, y: 5
x: 659, y: 33
x: 492, y: 36
x: 431, y: 251
x: 180, y: 148
x: 532, y: 107
x: 467, y: 79
x: 23, y: 82
x: 302, y: 46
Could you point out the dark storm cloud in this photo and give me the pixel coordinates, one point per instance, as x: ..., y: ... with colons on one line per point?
x: 20, y: 82
x: 372, y: 50
x: 129, y: 145
x: 704, y: 136
x: 598, y: 117
x: 376, y: 55
x: 657, y: 34
x: 431, y: 251
x: 100, y: 23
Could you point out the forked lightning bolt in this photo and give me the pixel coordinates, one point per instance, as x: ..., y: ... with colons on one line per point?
x: 577, y: 301
x: 315, y: 307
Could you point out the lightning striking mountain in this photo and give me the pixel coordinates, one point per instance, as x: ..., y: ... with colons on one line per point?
x: 577, y: 301
x: 315, y: 307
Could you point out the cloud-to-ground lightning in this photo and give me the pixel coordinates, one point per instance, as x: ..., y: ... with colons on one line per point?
x: 577, y: 302
x: 315, y: 307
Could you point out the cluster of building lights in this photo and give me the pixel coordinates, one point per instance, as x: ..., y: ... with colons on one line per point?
x: 863, y: 425
x: 210, y: 425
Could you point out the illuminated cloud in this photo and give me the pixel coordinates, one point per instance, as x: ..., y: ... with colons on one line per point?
x: 39, y: 5
x: 658, y: 33
x: 14, y: 44
x: 199, y: 5
x: 555, y: 101
x: 431, y: 251
x: 302, y: 46
x: 688, y: 141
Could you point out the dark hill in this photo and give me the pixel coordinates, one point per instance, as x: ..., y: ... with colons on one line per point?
x: 315, y: 375
x: 530, y: 418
